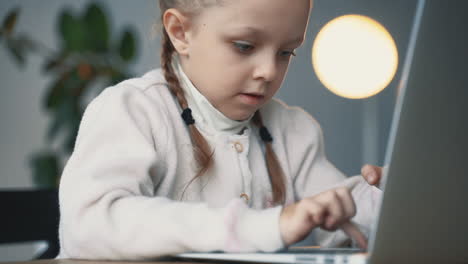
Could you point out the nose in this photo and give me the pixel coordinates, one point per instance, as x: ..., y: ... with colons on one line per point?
x: 266, y: 68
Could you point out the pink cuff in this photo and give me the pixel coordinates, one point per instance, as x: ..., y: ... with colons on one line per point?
x: 231, y: 219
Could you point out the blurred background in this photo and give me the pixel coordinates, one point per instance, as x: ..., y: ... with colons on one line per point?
x: 45, y: 85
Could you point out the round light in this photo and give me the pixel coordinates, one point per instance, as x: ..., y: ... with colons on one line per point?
x: 354, y: 56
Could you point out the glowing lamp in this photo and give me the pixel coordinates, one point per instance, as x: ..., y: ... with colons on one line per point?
x: 354, y: 56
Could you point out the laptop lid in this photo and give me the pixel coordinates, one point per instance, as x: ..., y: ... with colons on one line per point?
x: 424, y: 210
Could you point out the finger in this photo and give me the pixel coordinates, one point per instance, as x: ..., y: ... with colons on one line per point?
x: 378, y: 172
x: 334, y: 208
x: 367, y: 171
x: 354, y: 233
x: 314, y: 210
x: 351, y: 182
x: 347, y: 200
x: 371, y: 173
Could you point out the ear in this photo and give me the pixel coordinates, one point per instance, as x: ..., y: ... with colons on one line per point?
x: 176, y: 25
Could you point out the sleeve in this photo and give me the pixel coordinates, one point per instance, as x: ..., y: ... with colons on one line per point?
x: 314, y: 173
x: 107, y: 202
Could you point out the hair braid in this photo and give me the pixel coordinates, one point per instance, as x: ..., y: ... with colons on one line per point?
x: 170, y: 76
x: 275, y: 171
x: 202, y: 150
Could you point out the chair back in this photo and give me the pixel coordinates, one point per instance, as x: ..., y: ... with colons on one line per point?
x: 30, y: 215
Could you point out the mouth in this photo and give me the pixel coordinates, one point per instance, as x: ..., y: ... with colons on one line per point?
x: 252, y: 98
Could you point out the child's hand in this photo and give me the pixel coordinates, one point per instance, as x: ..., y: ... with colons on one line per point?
x: 328, y: 210
x: 372, y: 174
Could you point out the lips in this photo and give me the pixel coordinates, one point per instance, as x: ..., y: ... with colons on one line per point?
x: 252, y: 98
x: 254, y: 94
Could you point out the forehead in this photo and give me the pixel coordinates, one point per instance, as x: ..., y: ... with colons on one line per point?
x: 264, y: 18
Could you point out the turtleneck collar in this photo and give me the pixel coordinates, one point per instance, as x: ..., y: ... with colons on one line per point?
x: 202, y: 110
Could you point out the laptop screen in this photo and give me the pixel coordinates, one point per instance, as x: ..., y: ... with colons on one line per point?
x: 423, y: 214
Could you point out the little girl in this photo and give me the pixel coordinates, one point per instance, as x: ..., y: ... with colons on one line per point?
x: 197, y: 156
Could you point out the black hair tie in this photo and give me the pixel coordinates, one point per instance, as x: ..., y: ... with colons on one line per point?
x: 187, y: 116
x: 265, y: 134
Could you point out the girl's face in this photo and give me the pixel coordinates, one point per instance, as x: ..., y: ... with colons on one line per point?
x: 238, y: 53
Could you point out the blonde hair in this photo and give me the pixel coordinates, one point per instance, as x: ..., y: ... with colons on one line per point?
x: 202, y: 151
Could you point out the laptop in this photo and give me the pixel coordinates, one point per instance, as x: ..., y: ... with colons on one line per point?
x: 423, y: 216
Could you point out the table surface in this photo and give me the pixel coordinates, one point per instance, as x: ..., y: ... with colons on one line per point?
x: 175, y: 261
x: 167, y: 260
x: 71, y: 261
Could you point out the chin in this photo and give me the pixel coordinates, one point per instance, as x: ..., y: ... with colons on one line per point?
x: 239, y: 113
x: 242, y: 116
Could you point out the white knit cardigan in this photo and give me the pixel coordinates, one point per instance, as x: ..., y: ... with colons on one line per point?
x: 121, y: 190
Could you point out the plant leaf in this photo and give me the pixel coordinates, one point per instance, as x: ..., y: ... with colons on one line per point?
x: 45, y: 168
x: 17, y: 51
x: 54, y: 63
x: 10, y: 21
x: 25, y: 43
x: 56, y: 92
x: 71, y: 140
x: 97, y: 28
x: 73, y: 124
x: 127, y: 46
x: 72, y: 32
x: 55, y: 127
x: 61, y: 117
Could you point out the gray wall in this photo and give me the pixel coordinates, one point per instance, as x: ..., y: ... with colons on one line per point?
x: 355, y: 130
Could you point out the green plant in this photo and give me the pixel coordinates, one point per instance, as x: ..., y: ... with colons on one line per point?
x: 88, y: 55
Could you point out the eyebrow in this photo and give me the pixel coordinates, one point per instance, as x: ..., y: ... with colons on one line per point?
x: 255, y: 31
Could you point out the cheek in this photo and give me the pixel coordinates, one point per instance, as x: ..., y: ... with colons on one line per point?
x: 219, y: 63
x: 281, y: 75
x: 230, y: 76
x: 230, y: 83
x: 273, y: 90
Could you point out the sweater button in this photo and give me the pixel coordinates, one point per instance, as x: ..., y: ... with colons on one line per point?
x: 245, y: 197
x: 238, y: 146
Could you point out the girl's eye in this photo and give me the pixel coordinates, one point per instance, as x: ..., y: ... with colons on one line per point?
x: 287, y: 53
x: 243, y: 47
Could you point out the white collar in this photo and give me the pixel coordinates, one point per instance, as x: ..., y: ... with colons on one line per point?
x: 202, y: 110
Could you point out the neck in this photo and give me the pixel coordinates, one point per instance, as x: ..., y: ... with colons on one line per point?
x: 202, y: 109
